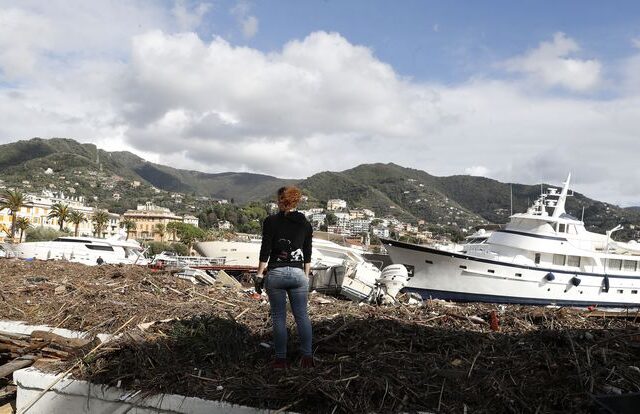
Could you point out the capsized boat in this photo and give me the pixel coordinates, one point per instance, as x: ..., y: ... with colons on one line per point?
x: 543, y: 256
x: 335, y: 268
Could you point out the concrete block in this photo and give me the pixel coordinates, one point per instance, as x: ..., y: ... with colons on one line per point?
x: 82, y: 397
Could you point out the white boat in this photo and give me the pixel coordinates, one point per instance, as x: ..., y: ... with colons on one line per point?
x: 335, y: 268
x: 234, y: 253
x: 543, y: 256
x: 171, y: 259
x: 86, y: 250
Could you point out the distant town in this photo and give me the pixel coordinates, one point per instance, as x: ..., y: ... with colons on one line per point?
x: 148, y: 222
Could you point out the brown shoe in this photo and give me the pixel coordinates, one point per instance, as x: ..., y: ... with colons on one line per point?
x: 279, y: 363
x: 306, y: 362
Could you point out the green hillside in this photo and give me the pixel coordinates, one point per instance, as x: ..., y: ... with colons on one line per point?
x: 100, y: 173
x: 460, y: 201
x: 456, y: 202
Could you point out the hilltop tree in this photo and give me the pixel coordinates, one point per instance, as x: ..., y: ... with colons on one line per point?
x: 160, y: 230
x: 330, y: 219
x: 22, y: 224
x: 61, y: 212
x: 189, y: 234
x: 172, y: 227
x: 13, y: 201
x: 129, y: 225
x: 100, y: 220
x: 76, y: 218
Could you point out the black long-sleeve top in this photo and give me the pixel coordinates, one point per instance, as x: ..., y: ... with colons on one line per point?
x: 286, y: 240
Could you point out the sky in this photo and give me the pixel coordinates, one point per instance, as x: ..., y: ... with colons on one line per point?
x: 522, y: 92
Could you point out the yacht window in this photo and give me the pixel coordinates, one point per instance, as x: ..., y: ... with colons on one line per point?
x: 634, y: 292
x: 62, y: 239
x: 99, y: 247
x: 614, y: 264
x: 537, y: 258
x: 572, y: 229
x: 630, y: 265
x: 559, y: 259
x: 573, y: 261
x: 620, y: 291
x: 562, y: 228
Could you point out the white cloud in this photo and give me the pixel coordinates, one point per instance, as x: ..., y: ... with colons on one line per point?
x: 319, y: 103
x: 477, y: 170
x: 23, y: 36
x: 190, y: 18
x: 550, y: 65
x: 249, y: 26
x: 248, y: 23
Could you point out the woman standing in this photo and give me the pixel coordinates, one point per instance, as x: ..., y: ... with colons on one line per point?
x: 286, y: 255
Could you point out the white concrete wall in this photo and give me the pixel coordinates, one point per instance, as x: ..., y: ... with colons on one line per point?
x: 19, y: 327
x: 74, y: 396
x: 81, y: 397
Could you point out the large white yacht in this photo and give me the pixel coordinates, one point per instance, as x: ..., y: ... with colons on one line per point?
x: 543, y: 256
x: 84, y: 250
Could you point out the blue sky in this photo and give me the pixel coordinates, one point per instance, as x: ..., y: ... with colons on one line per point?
x: 444, y: 41
x: 521, y: 91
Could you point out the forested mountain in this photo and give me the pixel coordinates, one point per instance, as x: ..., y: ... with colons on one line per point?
x: 459, y: 201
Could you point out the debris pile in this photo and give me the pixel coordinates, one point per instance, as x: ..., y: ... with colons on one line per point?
x: 214, y: 343
x: 20, y: 351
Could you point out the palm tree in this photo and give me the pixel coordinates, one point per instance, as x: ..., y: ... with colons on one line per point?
x: 61, y: 212
x: 13, y: 201
x: 160, y: 229
x: 129, y: 225
x: 100, y: 220
x: 22, y: 224
x: 172, y: 227
x: 76, y: 218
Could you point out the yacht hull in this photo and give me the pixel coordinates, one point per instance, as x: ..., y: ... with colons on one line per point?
x: 456, y: 276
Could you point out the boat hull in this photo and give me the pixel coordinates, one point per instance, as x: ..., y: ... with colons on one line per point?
x: 72, y: 252
x: 456, y: 276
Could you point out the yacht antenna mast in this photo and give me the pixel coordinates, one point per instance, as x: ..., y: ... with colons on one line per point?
x: 559, y: 209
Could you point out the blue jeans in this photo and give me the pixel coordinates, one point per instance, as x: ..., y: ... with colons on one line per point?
x: 292, y: 281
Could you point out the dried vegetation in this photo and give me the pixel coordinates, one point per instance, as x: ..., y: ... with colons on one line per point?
x: 215, y: 343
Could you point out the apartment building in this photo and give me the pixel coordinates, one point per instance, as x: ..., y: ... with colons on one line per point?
x: 146, y: 217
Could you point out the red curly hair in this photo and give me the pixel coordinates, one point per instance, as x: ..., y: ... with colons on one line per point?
x: 288, y: 197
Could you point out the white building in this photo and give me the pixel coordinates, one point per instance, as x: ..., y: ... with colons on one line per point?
x: 318, y: 219
x: 359, y: 226
x: 381, y: 231
x: 38, y: 206
x: 113, y: 226
x: 224, y: 225
x: 189, y: 219
x: 336, y: 204
x: 343, y: 219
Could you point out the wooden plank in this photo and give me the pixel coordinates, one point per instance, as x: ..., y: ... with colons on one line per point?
x: 8, y: 392
x: 60, y: 340
x: 7, y: 409
x: 18, y: 363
